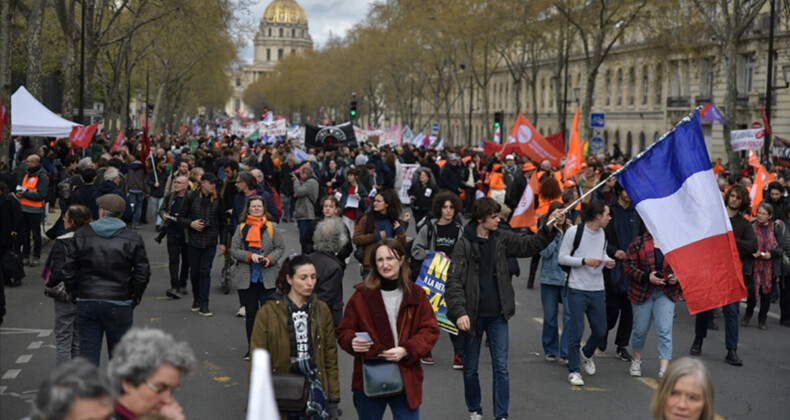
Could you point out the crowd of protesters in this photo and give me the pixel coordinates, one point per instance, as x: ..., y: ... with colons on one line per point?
x: 230, y: 197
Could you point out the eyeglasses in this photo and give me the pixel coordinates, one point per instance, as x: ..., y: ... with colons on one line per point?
x: 161, y: 390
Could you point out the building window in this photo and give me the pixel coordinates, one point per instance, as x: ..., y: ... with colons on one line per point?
x: 238, y: 104
x: 745, y: 73
x: 238, y: 81
x: 551, y: 93
x: 268, y: 54
x: 280, y: 54
x: 293, y: 51
x: 281, y: 32
x: 675, y: 86
x: 706, y: 78
x: 631, y: 86
x: 302, y: 33
x: 270, y: 32
x: 619, y: 87
x: 629, y: 144
x: 642, y: 141
x: 543, y: 93
x: 659, y: 85
x: 645, y: 85
x: 608, y: 87
x: 293, y: 33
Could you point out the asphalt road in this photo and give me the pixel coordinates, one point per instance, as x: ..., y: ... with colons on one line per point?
x: 218, y: 388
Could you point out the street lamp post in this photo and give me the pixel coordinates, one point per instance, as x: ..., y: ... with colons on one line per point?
x: 469, y: 135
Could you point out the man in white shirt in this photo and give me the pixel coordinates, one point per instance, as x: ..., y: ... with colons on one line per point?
x: 586, y: 294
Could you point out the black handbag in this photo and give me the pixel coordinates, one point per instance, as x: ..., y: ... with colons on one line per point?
x: 290, y: 391
x: 11, y: 262
x: 381, y: 378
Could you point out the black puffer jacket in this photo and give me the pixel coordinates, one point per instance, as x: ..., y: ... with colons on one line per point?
x: 211, y: 209
x: 108, y: 262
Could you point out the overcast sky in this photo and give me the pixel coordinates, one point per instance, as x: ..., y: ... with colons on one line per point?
x: 323, y: 17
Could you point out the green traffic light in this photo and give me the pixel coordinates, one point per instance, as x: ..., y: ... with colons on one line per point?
x: 353, y: 113
x: 496, y: 125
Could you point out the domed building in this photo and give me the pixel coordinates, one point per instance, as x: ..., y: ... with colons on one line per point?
x: 283, y: 30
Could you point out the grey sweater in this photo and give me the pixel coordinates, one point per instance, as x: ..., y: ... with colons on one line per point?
x: 593, y: 245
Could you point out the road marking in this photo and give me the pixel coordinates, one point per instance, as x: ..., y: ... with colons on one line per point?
x: 25, y: 358
x: 11, y: 374
x: 35, y: 345
x: 41, y: 333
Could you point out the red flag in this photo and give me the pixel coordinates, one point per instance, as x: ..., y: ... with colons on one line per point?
x: 116, y: 145
x: 81, y: 136
x: 3, y: 118
x: 489, y: 147
x: 574, y: 159
x: 556, y: 140
x: 145, y: 148
x: 524, y: 213
x: 532, y: 143
x: 765, y: 120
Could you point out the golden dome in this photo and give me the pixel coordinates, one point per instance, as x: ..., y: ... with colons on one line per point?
x: 284, y: 11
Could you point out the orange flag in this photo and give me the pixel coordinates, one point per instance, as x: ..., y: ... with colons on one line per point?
x: 574, y: 159
x: 753, y: 161
x: 761, y: 180
x: 717, y: 168
x: 532, y: 143
x: 524, y: 213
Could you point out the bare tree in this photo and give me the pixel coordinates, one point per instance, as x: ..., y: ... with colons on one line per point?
x: 729, y: 20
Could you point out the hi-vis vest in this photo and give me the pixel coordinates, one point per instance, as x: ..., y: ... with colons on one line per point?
x: 30, y: 183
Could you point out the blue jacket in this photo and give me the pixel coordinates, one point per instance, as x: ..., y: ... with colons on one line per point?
x: 550, y: 271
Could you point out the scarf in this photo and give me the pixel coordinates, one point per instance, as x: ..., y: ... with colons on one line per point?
x: 254, y: 234
x: 763, y: 269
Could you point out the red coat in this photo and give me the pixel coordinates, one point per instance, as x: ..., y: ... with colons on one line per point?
x: 417, y: 333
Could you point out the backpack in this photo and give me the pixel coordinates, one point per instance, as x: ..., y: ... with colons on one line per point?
x: 577, y: 239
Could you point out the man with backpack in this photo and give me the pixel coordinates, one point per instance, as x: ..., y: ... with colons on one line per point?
x: 586, y: 256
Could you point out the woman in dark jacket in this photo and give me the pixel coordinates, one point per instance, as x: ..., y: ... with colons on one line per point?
x: 10, y: 227
x: 395, y: 313
x: 66, y: 339
x: 421, y: 194
x: 331, y: 177
x: 383, y: 221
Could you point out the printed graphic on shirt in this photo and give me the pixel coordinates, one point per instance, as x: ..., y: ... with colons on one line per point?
x: 300, y: 328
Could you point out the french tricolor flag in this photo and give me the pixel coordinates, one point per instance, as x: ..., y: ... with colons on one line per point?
x: 675, y: 192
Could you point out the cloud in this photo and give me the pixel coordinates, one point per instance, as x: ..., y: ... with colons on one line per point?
x: 324, y: 17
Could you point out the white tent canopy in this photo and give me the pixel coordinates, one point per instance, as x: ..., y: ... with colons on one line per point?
x: 30, y: 118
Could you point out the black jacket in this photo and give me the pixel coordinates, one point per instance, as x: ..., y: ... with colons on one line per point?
x: 329, y: 284
x: 210, y: 209
x: 153, y: 190
x: 745, y: 241
x: 110, y: 268
x: 10, y: 219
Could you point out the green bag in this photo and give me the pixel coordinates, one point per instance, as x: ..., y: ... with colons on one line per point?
x: 381, y: 378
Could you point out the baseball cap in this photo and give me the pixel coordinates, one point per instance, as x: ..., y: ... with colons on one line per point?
x: 510, y: 157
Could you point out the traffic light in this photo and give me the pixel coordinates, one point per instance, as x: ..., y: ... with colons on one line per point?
x: 497, y: 119
x: 353, y: 111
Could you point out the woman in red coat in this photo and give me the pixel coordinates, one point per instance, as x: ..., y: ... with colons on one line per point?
x: 395, y: 313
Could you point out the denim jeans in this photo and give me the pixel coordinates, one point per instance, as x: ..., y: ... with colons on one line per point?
x: 200, y: 261
x: 136, y: 201
x: 288, y: 211
x: 252, y: 299
x: 730, y: 313
x: 662, y: 309
x: 67, y: 342
x: 96, y: 319
x: 373, y: 408
x: 178, y: 256
x: 592, y: 304
x: 550, y: 297
x: 153, y: 206
x: 496, y: 331
x: 303, y: 226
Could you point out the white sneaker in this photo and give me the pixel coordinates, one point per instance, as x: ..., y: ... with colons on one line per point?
x: 241, y: 313
x: 475, y: 416
x: 636, y: 368
x: 589, y: 365
x: 575, y: 379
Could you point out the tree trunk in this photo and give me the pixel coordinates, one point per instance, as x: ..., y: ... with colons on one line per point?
x: 33, y: 48
x: 5, y: 74
x: 587, y: 102
x: 730, y: 97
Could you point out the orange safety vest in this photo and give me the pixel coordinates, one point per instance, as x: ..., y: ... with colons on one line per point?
x: 30, y: 183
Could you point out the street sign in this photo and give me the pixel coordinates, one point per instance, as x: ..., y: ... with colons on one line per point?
x: 435, y: 129
x: 597, y: 119
x: 597, y: 132
x: 596, y: 144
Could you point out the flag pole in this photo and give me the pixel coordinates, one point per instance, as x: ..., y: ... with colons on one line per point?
x: 685, y: 119
x: 153, y: 164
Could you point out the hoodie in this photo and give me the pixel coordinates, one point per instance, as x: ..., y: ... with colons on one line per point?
x: 108, y: 227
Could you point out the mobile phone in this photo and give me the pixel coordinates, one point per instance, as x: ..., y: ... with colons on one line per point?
x: 365, y: 336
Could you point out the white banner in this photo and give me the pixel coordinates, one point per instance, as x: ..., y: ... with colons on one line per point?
x: 743, y: 139
x: 273, y: 129
x: 408, y: 171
